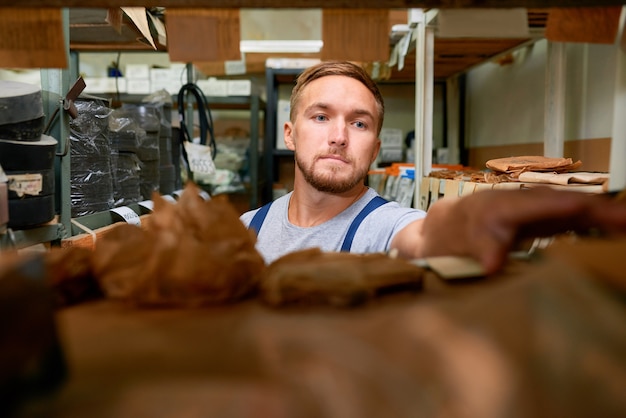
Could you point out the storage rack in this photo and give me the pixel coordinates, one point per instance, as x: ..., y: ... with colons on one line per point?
x: 55, y: 83
x: 256, y: 106
x: 273, y: 78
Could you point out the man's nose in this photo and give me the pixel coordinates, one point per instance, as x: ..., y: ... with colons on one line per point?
x: 339, y: 134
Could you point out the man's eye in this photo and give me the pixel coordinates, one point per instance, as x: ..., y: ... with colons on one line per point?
x: 360, y: 124
x: 320, y: 117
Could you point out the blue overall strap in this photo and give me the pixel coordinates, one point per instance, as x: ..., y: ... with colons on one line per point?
x: 259, y: 217
x: 371, y: 205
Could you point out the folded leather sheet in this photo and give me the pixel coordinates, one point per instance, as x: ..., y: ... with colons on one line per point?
x: 516, y: 165
x: 564, y: 178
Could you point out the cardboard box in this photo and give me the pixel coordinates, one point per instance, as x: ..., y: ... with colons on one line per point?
x: 390, y: 155
x: 391, y: 138
x: 213, y: 87
x: 105, y: 85
x: 138, y: 86
x: 239, y: 87
x: 282, y: 116
x: 160, y: 75
x: 141, y: 71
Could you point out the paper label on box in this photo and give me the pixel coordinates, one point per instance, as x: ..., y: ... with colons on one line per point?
x: 147, y: 204
x: 129, y: 215
x: 200, y: 160
x: 25, y: 184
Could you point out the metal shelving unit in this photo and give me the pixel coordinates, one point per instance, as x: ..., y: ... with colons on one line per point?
x: 55, y: 84
x: 274, y: 77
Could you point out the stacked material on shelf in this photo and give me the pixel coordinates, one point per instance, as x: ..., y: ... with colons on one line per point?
x: 124, y: 133
x: 90, y: 158
x: 514, y: 166
x: 547, y: 170
x: 26, y: 155
x: 511, y: 173
x: 167, y: 170
x: 148, y: 118
x: 162, y: 101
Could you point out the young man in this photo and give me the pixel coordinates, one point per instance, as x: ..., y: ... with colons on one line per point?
x: 336, y: 116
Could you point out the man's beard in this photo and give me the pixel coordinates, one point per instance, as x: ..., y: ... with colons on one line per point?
x: 327, y: 183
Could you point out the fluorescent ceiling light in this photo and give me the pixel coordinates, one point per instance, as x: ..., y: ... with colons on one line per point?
x: 271, y: 46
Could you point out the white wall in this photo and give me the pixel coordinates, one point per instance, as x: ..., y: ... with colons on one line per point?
x: 590, y: 91
x: 505, y: 104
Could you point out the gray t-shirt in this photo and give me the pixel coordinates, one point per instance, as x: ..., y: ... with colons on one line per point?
x: 278, y: 236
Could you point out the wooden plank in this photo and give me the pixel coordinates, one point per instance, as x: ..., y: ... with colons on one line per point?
x: 202, y: 34
x: 32, y: 38
x: 327, y: 4
x: 346, y: 32
x: 218, y: 68
x: 88, y: 241
x: 597, y: 25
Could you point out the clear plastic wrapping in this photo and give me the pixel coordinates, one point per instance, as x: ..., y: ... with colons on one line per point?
x: 126, y: 136
x: 91, y: 186
x: 148, y: 117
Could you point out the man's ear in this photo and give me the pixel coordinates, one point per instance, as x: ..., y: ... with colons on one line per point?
x: 290, y: 142
x: 375, y: 150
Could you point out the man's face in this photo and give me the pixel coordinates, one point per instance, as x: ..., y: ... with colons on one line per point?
x: 334, y: 133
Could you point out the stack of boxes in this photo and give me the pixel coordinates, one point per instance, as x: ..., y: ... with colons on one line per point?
x: 391, y: 147
x: 139, y: 79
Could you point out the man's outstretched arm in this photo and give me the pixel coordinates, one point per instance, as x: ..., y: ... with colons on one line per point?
x: 487, y: 225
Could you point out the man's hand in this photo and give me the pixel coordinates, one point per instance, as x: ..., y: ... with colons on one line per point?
x: 486, y: 225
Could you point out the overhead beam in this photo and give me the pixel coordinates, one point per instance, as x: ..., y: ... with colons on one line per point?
x: 327, y: 4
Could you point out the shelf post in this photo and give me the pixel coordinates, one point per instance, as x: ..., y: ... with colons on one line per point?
x: 617, y: 169
x: 253, y: 167
x: 424, y: 81
x: 554, y: 120
x: 54, y: 84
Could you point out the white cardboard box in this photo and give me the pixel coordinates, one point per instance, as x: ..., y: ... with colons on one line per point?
x: 282, y: 116
x: 213, y: 87
x: 390, y: 155
x: 391, y: 138
x: 239, y: 87
x: 160, y: 75
x: 137, y: 71
x: 138, y: 86
x: 105, y: 85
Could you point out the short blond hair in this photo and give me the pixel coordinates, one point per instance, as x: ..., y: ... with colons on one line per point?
x: 343, y: 68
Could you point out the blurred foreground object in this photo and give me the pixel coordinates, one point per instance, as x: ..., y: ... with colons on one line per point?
x: 31, y: 360
x: 190, y: 253
x: 542, y: 338
x: 340, y: 279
